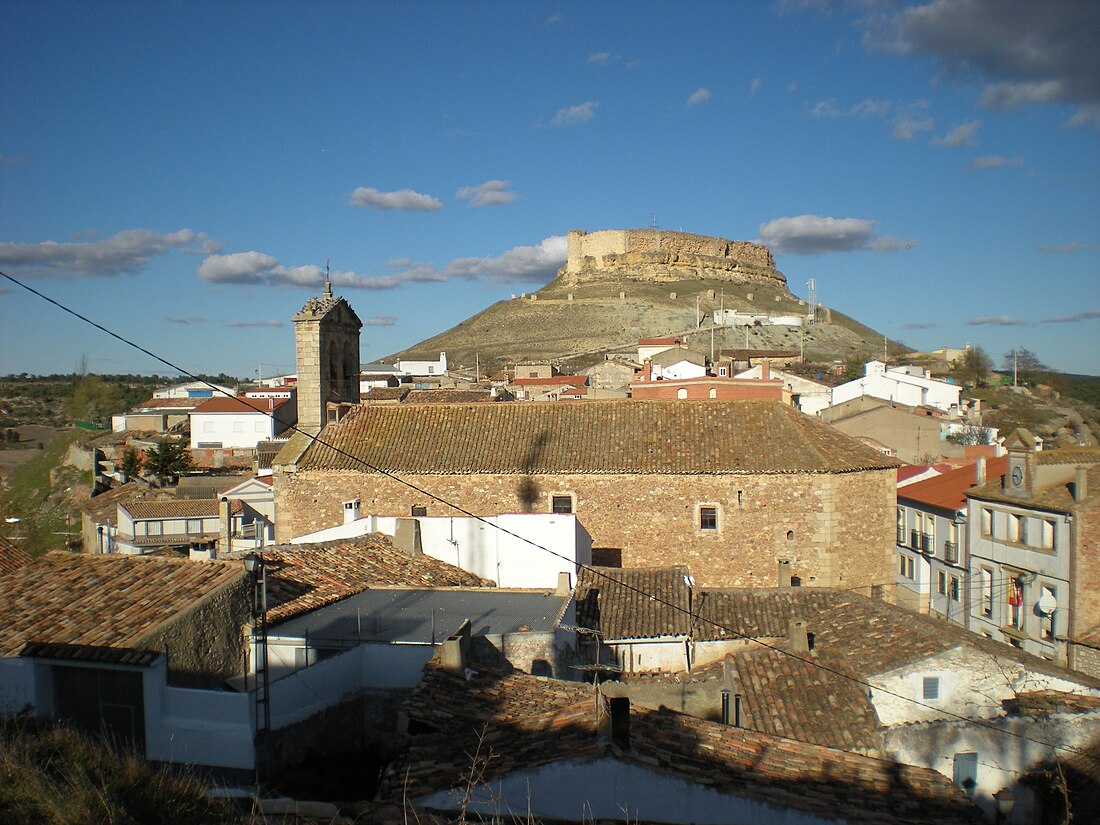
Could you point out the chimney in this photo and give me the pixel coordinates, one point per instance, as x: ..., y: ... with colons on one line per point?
x: 1080, y: 484
x: 979, y: 471
x: 647, y: 370
x: 406, y: 537
x: 620, y: 721
x: 351, y: 511
x: 765, y: 371
x: 797, y: 638
x: 565, y: 584
x: 784, y: 573
x: 453, y: 653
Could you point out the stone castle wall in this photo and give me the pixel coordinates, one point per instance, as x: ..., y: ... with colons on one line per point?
x: 657, y: 255
x: 836, y: 529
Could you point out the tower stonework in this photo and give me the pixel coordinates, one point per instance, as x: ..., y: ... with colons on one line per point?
x: 326, y: 338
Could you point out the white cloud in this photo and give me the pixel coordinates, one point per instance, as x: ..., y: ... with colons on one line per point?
x: 995, y: 321
x: 381, y: 321
x: 237, y: 268
x: 1071, y: 247
x: 816, y: 234
x: 521, y: 264
x: 995, y: 162
x: 755, y: 84
x: 1026, y: 53
x: 699, y: 96
x: 920, y: 325
x: 572, y: 115
x: 490, y: 193
x: 1087, y: 315
x: 526, y: 264
x: 125, y: 252
x: 405, y: 199
x: 961, y: 135
x: 868, y: 107
x: 599, y: 58
x: 907, y: 128
x: 254, y: 324
x: 826, y: 108
x: 188, y: 320
x: 1087, y: 117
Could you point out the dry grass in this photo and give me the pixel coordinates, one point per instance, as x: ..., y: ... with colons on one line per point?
x: 52, y: 775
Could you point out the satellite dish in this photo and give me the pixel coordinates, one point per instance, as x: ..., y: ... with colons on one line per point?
x: 1047, y: 603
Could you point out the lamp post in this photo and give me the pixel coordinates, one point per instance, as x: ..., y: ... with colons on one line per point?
x: 1005, y: 800
x: 254, y: 564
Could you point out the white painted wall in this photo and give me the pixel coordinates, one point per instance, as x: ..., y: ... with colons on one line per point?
x: 812, y: 396
x: 679, y: 370
x: 201, y: 727
x: 505, y: 555
x: 239, y: 430
x: 973, y: 684
x: 424, y: 367
x: 616, y: 791
x: 897, y: 385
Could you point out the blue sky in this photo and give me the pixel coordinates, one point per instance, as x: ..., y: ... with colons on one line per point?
x: 180, y: 172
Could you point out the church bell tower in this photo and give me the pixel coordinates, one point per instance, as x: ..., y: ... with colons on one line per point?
x: 326, y: 337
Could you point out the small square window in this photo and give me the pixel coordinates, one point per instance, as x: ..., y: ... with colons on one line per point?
x: 941, y: 583
x: 708, y: 518
x: 931, y: 687
x: 561, y: 504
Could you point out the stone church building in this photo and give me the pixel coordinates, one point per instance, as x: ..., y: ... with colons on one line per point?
x: 748, y: 493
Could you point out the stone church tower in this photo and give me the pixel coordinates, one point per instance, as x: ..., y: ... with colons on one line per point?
x: 326, y: 336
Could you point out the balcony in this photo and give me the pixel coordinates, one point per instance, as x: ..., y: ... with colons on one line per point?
x: 926, y: 543
x: 901, y: 536
x: 950, y: 551
x: 914, y: 539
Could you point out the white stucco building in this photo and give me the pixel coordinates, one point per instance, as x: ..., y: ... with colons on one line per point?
x: 911, y: 386
x: 242, y: 421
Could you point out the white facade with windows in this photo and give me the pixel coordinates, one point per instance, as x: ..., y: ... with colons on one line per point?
x: 900, y: 385
x: 232, y: 423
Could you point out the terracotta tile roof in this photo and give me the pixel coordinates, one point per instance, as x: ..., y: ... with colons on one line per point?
x: 618, y: 601
x: 553, y: 381
x: 796, y: 698
x: 948, y: 490
x: 104, y: 507
x: 652, y: 342
x: 526, y: 721
x: 449, y: 396
x: 304, y: 577
x: 385, y: 394
x: 169, y: 404
x: 11, y: 557
x: 1069, y: 455
x: 746, y: 354
x: 179, y: 508
x: 599, y: 437
x: 240, y: 405
x: 106, y: 600
x: 675, y: 355
x: 1052, y: 701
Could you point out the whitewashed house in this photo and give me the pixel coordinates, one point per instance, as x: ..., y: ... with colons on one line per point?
x: 911, y: 386
x: 241, y: 422
x: 194, y: 389
x: 421, y: 368
x: 808, y: 395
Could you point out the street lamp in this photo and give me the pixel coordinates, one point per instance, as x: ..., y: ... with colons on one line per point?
x: 1005, y: 800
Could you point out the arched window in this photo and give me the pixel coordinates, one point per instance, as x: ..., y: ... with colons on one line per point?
x: 713, y: 393
x: 682, y: 393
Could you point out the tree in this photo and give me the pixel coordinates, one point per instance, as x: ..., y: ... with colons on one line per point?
x: 1024, y: 364
x: 970, y: 435
x: 131, y: 463
x: 93, y: 400
x: 972, y: 367
x: 167, y: 460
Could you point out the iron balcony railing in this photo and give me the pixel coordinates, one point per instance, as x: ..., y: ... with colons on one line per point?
x: 914, y: 539
x: 901, y: 536
x: 950, y: 551
x: 926, y: 543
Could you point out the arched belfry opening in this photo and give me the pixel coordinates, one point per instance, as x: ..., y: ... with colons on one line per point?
x: 326, y: 336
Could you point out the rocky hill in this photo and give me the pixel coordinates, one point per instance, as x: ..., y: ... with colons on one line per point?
x: 622, y: 285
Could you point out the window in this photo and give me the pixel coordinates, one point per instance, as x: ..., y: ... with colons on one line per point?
x: 1048, y: 605
x: 987, y: 592
x: 208, y: 426
x: 681, y: 393
x: 194, y: 526
x: 901, y: 526
x: 722, y: 372
x: 987, y: 522
x: 954, y: 592
x: 966, y: 771
x: 905, y: 566
x: 561, y: 504
x: 901, y: 564
x: 154, y: 528
x: 928, y: 539
x: 951, y: 545
x: 1047, y: 528
x: 419, y: 511
x: 931, y: 688
x: 1015, y: 597
x: 1017, y: 528
x: 941, y: 583
x: 708, y: 518
x: 260, y: 426
x: 238, y: 426
x: 713, y: 393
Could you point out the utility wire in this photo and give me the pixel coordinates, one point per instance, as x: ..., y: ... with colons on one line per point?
x: 315, y: 439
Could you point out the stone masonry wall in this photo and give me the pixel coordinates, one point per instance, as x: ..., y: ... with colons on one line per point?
x: 1086, y: 586
x: 656, y: 255
x: 837, y: 530
x: 205, y: 645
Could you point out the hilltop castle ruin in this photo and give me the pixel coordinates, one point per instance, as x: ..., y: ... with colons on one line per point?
x: 659, y: 255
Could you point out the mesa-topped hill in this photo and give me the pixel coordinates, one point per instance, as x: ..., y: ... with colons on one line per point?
x: 617, y: 286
